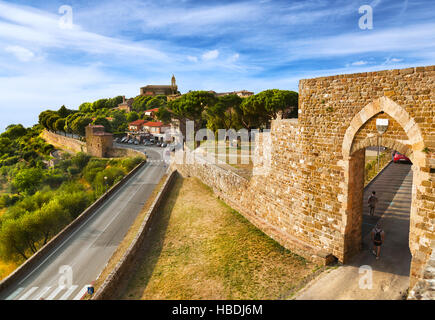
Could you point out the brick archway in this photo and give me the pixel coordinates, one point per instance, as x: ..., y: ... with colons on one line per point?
x: 353, y: 155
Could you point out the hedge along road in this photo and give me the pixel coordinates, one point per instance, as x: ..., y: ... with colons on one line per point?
x: 77, y: 261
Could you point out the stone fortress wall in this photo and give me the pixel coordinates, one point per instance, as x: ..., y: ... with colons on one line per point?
x: 74, y: 146
x: 63, y: 142
x: 309, y: 193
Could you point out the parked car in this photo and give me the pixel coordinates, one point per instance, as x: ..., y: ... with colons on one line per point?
x: 163, y: 145
x: 158, y: 144
x: 136, y: 142
x: 130, y: 141
x: 398, y: 157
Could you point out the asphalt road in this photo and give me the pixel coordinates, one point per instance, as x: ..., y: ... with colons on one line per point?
x: 70, y: 268
x: 364, y: 277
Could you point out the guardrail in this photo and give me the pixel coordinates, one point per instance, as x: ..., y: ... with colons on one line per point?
x: 112, y: 282
x: 42, y: 253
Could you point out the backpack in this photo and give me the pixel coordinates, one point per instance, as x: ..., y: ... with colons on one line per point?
x: 378, y: 236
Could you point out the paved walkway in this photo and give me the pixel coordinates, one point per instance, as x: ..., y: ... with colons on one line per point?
x: 390, y: 277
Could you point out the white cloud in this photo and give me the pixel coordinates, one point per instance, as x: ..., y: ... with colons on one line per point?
x: 192, y: 58
x: 235, y: 57
x: 37, y: 28
x: 392, y: 60
x: 20, y: 53
x: 210, y: 55
x: 359, y: 63
x: 416, y: 39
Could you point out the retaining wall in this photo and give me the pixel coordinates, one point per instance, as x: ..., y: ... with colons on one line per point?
x: 74, y: 145
x: 110, y: 286
x: 64, y: 143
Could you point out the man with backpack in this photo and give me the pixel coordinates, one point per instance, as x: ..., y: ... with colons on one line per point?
x: 378, y: 236
x: 373, y: 200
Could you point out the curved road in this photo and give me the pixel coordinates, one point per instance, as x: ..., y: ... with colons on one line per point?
x: 69, y: 269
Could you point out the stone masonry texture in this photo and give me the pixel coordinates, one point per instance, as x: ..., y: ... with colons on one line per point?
x: 308, y: 195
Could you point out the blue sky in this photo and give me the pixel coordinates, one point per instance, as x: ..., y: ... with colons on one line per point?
x: 116, y: 46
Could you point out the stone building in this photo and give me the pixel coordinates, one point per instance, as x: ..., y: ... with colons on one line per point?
x: 241, y: 93
x: 98, y: 142
x: 306, y: 191
x: 126, y: 104
x: 165, y: 90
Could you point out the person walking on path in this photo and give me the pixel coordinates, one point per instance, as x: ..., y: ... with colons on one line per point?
x: 373, y: 200
x: 378, y: 237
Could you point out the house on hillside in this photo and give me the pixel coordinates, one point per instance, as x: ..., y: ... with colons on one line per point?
x: 241, y: 93
x: 152, y: 113
x: 156, y: 127
x: 136, y: 126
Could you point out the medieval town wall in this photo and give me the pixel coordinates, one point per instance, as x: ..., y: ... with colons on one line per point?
x: 308, y: 195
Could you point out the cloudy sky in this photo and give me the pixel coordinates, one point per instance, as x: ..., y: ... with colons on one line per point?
x: 114, y: 47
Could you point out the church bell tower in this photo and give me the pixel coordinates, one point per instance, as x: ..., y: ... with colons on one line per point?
x: 173, y: 85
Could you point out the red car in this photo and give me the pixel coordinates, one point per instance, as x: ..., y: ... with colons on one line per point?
x: 398, y: 157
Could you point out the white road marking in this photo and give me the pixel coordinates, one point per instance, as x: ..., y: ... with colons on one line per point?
x: 68, y: 293
x: 15, y: 293
x: 28, y: 293
x: 55, y: 292
x: 82, y: 292
x: 42, y: 293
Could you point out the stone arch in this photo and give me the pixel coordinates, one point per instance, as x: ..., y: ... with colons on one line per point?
x: 353, y: 162
x: 399, y: 114
x: 386, y: 142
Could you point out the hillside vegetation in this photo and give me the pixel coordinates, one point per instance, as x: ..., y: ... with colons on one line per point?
x: 37, y: 201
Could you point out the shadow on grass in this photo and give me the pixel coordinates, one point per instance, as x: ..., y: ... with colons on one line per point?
x: 152, y: 245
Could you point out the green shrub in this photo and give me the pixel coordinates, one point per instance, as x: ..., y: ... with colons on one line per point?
x: 75, y: 203
x: 73, y: 171
x: 27, y: 180
x: 80, y: 160
x: 64, y: 165
x: 130, y: 163
x: 54, y: 178
x: 7, y: 200
x: 113, y: 175
x: 9, y: 161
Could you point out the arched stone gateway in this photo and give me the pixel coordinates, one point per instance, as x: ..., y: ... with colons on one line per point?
x: 308, y: 195
x: 411, y: 146
x: 414, y: 144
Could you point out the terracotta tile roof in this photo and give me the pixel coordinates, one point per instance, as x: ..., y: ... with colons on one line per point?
x: 137, y: 123
x: 152, y: 110
x: 155, y: 124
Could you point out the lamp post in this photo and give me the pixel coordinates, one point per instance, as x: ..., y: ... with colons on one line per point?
x: 105, y: 183
x: 381, y: 126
